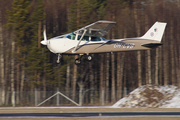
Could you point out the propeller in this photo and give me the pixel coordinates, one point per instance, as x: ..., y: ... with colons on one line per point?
x: 44, y: 42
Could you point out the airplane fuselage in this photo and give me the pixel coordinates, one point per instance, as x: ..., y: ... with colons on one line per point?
x: 89, y: 39
x: 66, y: 46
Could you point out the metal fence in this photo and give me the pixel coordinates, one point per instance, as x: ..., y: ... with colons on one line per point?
x: 50, y: 98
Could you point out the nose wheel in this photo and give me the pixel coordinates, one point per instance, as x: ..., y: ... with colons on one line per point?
x: 58, y: 58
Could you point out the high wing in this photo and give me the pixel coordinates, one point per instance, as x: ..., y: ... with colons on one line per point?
x: 96, y: 29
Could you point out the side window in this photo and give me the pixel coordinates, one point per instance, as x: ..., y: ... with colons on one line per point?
x: 95, y: 39
x: 85, y: 38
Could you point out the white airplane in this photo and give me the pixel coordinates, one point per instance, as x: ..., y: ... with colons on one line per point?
x: 89, y: 39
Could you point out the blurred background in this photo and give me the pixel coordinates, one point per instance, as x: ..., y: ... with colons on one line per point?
x: 29, y: 73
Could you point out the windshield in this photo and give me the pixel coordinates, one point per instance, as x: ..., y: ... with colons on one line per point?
x: 71, y: 36
x: 103, y: 38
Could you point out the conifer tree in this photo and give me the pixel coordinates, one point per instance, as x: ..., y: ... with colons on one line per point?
x: 19, y: 24
x: 35, y: 57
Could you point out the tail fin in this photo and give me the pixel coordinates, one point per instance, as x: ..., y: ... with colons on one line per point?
x: 155, y: 32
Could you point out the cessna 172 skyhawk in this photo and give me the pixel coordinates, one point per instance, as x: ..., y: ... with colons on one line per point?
x: 89, y: 39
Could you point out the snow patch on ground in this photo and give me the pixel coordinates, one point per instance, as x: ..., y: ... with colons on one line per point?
x: 152, y: 96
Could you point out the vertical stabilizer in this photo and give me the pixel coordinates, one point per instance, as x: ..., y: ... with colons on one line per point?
x: 155, y: 32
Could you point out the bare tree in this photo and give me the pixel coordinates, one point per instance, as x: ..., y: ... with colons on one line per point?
x: 177, y: 48
x: 12, y: 75
x: 68, y: 78
x: 83, y: 79
x: 157, y: 66
x: 91, y: 82
x: 74, y: 80
x: 107, y: 77
x: 137, y: 24
x: 120, y: 71
x: 101, y: 85
x: 2, y: 62
x: 113, y: 94
x: 148, y: 58
x: 172, y: 56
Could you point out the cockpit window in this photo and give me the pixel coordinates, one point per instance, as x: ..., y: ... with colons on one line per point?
x: 85, y: 38
x: 71, y: 36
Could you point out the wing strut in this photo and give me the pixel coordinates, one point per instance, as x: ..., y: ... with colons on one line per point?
x: 74, y: 51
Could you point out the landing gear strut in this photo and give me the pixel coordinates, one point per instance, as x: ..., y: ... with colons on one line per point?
x: 59, y: 57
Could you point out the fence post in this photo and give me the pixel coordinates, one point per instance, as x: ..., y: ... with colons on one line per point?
x: 13, y: 98
x: 35, y: 96
x: 58, y: 96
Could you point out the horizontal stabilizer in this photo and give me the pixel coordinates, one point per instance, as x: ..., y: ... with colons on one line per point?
x: 152, y: 45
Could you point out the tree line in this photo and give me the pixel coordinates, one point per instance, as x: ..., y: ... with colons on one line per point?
x: 25, y: 64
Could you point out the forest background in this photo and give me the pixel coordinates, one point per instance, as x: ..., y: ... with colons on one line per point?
x: 25, y: 64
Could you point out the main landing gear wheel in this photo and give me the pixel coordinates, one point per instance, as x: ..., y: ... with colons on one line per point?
x: 89, y: 58
x: 77, y: 61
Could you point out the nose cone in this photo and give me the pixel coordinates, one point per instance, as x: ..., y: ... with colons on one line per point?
x: 56, y: 45
x: 44, y: 42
